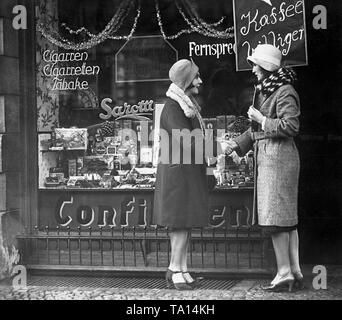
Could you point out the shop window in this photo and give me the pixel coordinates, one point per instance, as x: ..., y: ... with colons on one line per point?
x: 82, y: 141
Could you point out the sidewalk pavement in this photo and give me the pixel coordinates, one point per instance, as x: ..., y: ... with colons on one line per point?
x: 243, y: 290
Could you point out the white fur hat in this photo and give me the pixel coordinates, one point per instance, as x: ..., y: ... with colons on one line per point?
x: 266, y: 56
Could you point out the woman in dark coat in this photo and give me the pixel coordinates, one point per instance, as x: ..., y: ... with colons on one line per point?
x: 181, y: 195
x: 276, y: 122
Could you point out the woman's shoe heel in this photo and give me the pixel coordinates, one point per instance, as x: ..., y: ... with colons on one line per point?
x: 299, y: 284
x: 168, y: 279
x: 299, y: 281
x: 195, y: 283
x: 168, y: 282
x: 176, y: 285
x: 291, y: 283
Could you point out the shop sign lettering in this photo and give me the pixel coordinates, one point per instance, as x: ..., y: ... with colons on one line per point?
x: 133, y: 211
x: 65, y: 76
x: 277, y: 22
x: 139, y: 111
x: 102, y: 215
x: 214, y: 49
x: 232, y: 216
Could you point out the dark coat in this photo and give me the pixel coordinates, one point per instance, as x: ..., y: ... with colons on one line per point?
x: 276, y: 158
x: 181, y: 194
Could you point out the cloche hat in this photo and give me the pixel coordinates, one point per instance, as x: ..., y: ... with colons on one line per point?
x: 183, y: 72
x: 266, y: 56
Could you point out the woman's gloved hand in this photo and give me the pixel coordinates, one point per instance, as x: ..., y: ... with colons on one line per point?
x: 228, y: 146
x: 255, y: 115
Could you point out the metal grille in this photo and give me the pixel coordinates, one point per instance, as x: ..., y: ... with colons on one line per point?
x: 121, y: 282
x: 148, y: 247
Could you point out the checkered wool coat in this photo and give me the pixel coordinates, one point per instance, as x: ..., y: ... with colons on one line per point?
x: 276, y: 157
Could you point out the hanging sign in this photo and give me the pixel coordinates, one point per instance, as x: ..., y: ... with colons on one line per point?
x: 277, y: 22
x: 143, y: 59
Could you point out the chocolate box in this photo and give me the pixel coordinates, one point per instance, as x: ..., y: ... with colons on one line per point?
x: 72, y: 138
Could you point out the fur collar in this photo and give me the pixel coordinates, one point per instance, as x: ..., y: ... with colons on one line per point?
x: 178, y: 95
x: 189, y: 106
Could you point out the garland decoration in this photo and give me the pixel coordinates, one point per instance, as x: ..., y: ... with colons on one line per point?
x: 215, y: 24
x: 78, y: 31
x: 195, y: 23
x: 201, y: 26
x: 108, y: 33
x: 175, y: 36
x: 185, y: 9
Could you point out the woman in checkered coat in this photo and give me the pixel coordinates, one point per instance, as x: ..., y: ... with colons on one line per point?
x: 275, y: 116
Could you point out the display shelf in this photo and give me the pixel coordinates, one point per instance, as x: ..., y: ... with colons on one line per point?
x: 85, y: 109
x: 97, y: 190
x: 220, y: 189
x: 62, y: 150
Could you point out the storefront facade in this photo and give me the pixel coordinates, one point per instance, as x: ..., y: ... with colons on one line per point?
x: 81, y: 203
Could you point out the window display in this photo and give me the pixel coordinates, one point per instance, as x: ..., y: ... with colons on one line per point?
x: 100, y: 156
x: 109, y: 157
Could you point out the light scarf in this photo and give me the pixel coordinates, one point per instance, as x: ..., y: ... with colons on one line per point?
x: 189, y: 106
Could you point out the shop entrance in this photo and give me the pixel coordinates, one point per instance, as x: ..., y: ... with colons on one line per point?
x: 94, y: 223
